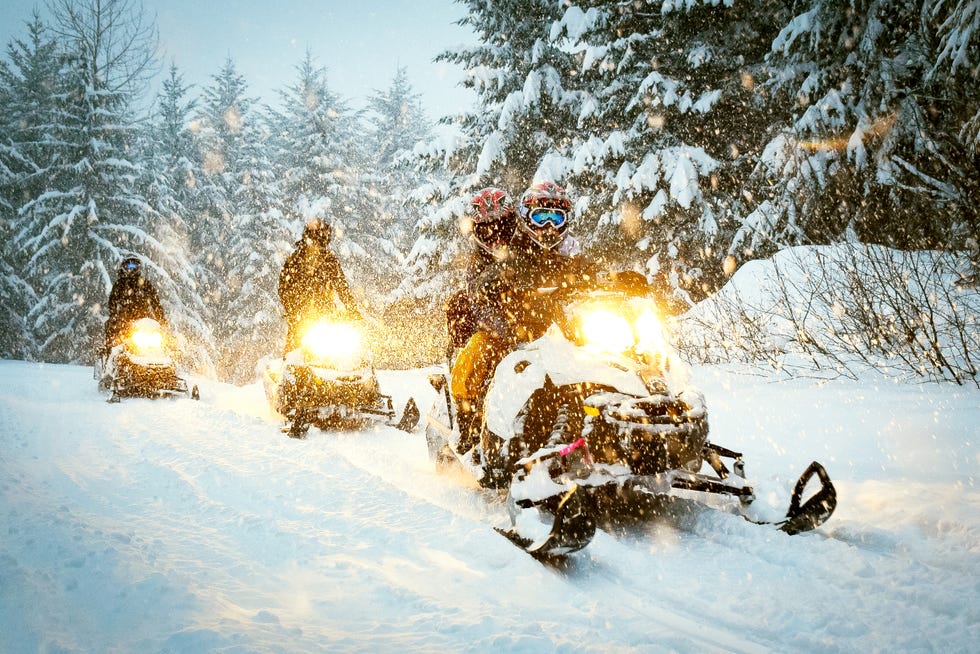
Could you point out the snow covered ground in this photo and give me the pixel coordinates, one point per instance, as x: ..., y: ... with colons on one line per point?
x: 182, y: 526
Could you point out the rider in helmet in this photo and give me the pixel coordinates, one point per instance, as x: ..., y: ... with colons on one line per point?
x: 493, y: 216
x: 538, y: 254
x: 545, y: 253
x: 132, y: 297
x: 545, y: 210
x: 543, y: 235
x: 311, y: 281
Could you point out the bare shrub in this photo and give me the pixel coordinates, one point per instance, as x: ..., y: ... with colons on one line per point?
x: 842, y: 309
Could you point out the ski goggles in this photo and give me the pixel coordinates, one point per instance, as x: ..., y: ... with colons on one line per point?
x: 131, y: 264
x: 543, y: 217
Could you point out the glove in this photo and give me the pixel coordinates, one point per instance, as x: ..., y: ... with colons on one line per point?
x: 491, y: 283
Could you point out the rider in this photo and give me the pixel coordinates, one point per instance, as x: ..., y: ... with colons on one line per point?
x: 545, y: 210
x: 311, y: 280
x: 494, y: 218
x: 503, y: 313
x: 132, y: 297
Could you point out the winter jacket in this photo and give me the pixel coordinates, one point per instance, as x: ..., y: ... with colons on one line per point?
x: 311, y: 281
x: 131, y: 298
x: 502, y: 294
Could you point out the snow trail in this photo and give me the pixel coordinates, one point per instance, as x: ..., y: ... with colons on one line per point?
x: 182, y: 526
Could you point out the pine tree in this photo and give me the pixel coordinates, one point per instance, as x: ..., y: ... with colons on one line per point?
x: 315, y: 136
x: 882, y: 100
x: 89, y: 214
x: 955, y: 73
x: 323, y: 168
x: 169, y: 183
x: 396, y: 123
x: 526, y: 106
x: 238, y: 238
x: 668, y: 123
x: 26, y: 81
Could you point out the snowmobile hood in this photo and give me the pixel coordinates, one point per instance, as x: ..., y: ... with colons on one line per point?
x: 523, y: 371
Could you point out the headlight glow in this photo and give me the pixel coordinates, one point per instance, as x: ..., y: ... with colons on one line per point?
x: 146, y: 339
x: 650, y: 334
x: 607, y: 331
x: 324, y: 339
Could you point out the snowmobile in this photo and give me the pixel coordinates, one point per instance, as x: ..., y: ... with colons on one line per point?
x: 598, y: 415
x: 142, y: 365
x: 329, y: 381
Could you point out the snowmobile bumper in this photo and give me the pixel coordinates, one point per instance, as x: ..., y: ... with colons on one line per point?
x: 132, y: 379
x: 650, y: 434
x: 348, y: 395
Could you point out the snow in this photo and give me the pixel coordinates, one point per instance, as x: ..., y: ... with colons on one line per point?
x: 182, y: 526
x: 492, y: 151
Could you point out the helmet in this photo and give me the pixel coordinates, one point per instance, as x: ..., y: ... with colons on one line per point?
x: 545, y: 210
x: 494, y: 218
x: 130, y: 267
x: 318, y: 231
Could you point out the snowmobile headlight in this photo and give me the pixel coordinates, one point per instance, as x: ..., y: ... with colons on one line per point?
x: 145, y: 340
x: 330, y: 340
x: 650, y: 334
x: 606, y: 331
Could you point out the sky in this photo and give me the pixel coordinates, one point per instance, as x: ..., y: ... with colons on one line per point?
x: 361, y: 43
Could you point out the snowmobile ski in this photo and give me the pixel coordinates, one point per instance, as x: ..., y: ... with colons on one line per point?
x: 410, y: 416
x: 805, y: 516
x: 571, y: 531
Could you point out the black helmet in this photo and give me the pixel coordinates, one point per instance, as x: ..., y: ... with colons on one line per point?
x: 318, y: 231
x: 130, y: 267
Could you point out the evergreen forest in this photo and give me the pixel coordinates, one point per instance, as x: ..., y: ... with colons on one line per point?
x: 693, y: 136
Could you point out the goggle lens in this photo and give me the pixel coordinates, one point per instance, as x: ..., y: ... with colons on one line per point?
x: 545, y: 217
x: 131, y: 265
